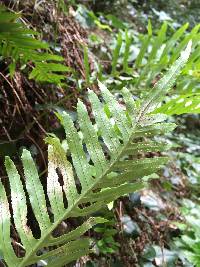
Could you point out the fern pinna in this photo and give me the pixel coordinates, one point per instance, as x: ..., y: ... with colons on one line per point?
x: 102, y: 177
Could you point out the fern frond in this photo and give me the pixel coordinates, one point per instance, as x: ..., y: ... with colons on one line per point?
x: 116, y: 53
x: 19, y: 45
x: 16, y: 40
x: 92, y: 177
x: 128, y: 41
x: 163, y: 52
x: 144, y: 46
x: 51, y: 72
x: 181, y: 104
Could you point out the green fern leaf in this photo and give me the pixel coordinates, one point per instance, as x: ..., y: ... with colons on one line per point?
x: 164, y: 51
x: 18, y: 43
x: 99, y: 171
x: 164, y: 84
x: 181, y: 104
x: 128, y: 41
x: 116, y: 54
x: 144, y: 46
x: 49, y: 72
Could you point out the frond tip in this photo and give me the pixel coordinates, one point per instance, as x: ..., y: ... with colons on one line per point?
x: 186, y: 53
x: 165, y: 83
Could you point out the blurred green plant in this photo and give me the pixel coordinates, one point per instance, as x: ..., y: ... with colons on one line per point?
x: 138, y: 60
x: 107, y: 243
x: 181, y: 104
x: 156, y: 53
x: 189, y: 243
x: 63, y: 5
